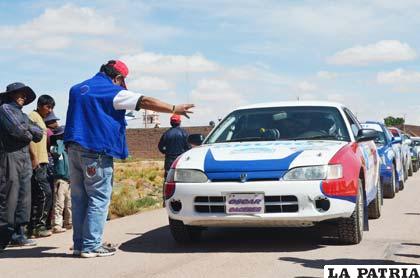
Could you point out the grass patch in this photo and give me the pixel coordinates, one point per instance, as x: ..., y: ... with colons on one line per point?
x: 137, y: 187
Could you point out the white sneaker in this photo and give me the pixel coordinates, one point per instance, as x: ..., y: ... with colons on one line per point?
x: 100, y: 252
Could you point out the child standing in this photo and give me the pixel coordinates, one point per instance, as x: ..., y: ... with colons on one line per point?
x: 62, y: 199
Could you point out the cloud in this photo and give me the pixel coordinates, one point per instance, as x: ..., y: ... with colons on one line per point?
x: 215, y: 90
x: 382, y: 51
x: 214, y: 99
x: 326, y: 74
x: 398, y: 76
x: 148, y: 62
x: 56, y: 29
x: 149, y: 83
x: 306, y: 86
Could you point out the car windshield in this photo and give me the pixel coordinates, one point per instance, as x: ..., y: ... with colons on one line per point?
x: 394, y: 133
x: 380, y: 139
x: 416, y: 143
x: 281, y: 123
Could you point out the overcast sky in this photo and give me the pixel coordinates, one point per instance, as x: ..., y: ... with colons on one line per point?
x: 221, y: 54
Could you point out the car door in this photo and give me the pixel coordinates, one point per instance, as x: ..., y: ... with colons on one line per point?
x: 369, y: 156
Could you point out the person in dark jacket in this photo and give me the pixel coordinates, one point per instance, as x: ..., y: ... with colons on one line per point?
x: 16, y: 132
x: 62, y: 196
x: 173, y: 142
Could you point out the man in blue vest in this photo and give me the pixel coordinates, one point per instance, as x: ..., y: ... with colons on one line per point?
x: 95, y: 134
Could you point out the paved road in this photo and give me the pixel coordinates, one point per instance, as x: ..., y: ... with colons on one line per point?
x: 147, y: 249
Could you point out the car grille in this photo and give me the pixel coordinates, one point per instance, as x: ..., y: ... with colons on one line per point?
x: 273, y: 204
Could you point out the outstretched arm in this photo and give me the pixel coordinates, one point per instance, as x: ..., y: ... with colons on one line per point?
x: 154, y: 104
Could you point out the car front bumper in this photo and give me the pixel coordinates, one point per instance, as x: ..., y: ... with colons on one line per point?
x: 294, y: 203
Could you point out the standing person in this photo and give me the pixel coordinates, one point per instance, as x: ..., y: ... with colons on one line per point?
x: 173, y: 142
x: 95, y: 134
x: 41, y: 189
x: 62, y: 199
x: 51, y: 121
x: 16, y: 132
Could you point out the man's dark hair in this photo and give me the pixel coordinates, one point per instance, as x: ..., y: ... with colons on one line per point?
x: 46, y: 100
x: 109, y: 69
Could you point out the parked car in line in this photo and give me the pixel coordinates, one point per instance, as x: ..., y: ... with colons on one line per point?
x: 415, y: 153
x: 391, y: 169
x: 277, y: 164
x: 405, y: 150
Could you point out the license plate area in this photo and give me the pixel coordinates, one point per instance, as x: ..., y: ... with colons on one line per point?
x: 244, y: 203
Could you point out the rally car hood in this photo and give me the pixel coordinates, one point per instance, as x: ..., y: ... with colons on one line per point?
x: 259, y: 159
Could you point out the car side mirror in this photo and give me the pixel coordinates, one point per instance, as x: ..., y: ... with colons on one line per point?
x: 396, y: 140
x: 366, y: 135
x: 195, y: 139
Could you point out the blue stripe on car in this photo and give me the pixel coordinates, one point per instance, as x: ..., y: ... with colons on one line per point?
x: 261, y: 169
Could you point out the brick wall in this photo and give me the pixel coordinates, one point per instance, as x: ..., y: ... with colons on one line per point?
x: 412, y: 130
x: 142, y: 142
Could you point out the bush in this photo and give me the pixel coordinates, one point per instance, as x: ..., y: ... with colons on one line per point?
x: 137, y: 187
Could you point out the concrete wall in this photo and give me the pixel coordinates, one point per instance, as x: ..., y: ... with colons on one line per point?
x: 142, y: 142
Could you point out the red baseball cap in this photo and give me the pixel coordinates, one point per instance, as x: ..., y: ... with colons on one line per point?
x: 122, y: 68
x: 175, y: 118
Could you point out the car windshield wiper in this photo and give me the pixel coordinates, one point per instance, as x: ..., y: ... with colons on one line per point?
x: 325, y: 136
x: 251, y: 139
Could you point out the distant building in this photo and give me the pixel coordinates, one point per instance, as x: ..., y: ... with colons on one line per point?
x: 412, y: 130
x: 150, y: 119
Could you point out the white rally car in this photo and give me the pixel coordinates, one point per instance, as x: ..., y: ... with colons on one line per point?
x: 277, y: 164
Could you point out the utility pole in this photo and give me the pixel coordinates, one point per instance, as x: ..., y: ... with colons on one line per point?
x: 404, y: 122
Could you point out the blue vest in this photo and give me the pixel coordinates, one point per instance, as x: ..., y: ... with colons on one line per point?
x: 92, y: 120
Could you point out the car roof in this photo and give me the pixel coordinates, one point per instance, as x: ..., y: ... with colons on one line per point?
x: 377, y: 126
x: 374, y: 122
x: 291, y: 103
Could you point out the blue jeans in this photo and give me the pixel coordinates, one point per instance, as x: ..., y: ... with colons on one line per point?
x: 91, y: 188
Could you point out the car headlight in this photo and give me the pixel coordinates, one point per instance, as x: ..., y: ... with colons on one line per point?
x: 189, y: 176
x: 322, y: 172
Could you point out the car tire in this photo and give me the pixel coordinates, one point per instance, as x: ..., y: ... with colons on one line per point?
x: 391, y: 188
x: 350, y: 230
x: 374, y: 208
x: 405, y: 173
x: 401, y: 188
x: 415, y: 166
x: 410, y: 169
x: 184, y: 233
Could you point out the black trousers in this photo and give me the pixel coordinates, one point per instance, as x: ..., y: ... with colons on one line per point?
x: 169, y: 159
x: 41, y: 198
x: 15, y: 192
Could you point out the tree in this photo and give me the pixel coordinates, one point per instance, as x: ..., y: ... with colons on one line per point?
x: 391, y: 121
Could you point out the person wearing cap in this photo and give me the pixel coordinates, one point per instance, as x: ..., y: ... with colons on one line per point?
x: 62, y: 199
x: 41, y: 188
x: 16, y: 132
x: 51, y: 122
x: 173, y: 142
x: 95, y: 134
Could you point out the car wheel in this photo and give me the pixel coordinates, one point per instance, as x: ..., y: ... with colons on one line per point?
x: 350, y: 230
x: 405, y: 173
x: 410, y: 169
x: 374, y: 208
x: 401, y: 185
x: 415, y: 166
x: 184, y: 233
x: 390, y: 189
